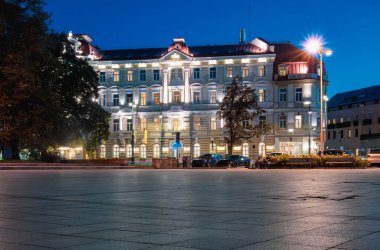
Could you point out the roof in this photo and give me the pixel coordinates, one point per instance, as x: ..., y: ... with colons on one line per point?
x: 197, y: 51
x: 355, y: 96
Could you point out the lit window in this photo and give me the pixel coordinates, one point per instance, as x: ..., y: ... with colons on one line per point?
x: 282, y: 72
x: 262, y: 70
x: 116, y: 151
x: 196, y: 73
x: 142, y: 123
x: 143, y: 151
x: 116, y: 76
x: 212, y: 73
x: 116, y: 100
x: 102, y: 76
x: 197, y: 97
x: 229, y: 72
x: 262, y: 95
x: 129, y: 151
x: 245, y: 71
x: 129, y: 75
x: 177, y: 97
x: 212, y: 147
x: 157, y: 123
x: 298, y: 94
x: 156, y: 151
x: 349, y: 133
x: 143, y: 75
x: 142, y: 99
x: 176, y: 124
x: 156, y: 98
x: 197, y: 150
x: 156, y: 75
x: 116, y: 125
x: 103, y: 151
x: 245, y: 150
x: 213, y: 123
x: 298, y: 121
x: 213, y: 96
x: 197, y: 122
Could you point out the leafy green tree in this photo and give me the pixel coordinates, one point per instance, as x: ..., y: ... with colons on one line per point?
x: 240, y: 104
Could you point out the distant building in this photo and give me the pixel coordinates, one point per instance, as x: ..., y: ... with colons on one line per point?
x: 354, y: 120
x: 179, y: 88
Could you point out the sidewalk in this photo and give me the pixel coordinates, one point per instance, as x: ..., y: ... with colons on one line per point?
x: 64, y: 166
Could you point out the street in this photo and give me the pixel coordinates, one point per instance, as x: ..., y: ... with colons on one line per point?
x: 190, y: 209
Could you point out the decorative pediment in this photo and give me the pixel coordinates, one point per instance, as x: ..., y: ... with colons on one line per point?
x: 175, y: 55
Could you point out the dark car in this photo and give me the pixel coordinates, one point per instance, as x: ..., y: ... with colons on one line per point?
x: 337, y: 152
x: 235, y: 161
x: 206, y: 160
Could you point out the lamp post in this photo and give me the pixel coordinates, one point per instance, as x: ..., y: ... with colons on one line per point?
x: 325, y: 99
x: 161, y: 135
x: 314, y: 45
x: 309, y: 112
x: 132, y: 105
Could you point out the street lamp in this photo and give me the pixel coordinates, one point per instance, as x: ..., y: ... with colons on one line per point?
x: 132, y: 105
x: 315, y: 45
x: 325, y: 99
x: 162, y: 136
x: 309, y: 142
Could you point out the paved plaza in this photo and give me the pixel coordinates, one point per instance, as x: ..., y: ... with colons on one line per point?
x: 190, y: 209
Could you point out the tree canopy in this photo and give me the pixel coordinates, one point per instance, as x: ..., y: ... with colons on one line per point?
x: 46, y: 94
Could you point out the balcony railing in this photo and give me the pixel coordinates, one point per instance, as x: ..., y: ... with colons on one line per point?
x: 299, y: 76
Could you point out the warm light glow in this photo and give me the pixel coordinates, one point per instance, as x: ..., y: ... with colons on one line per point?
x: 325, y: 98
x: 313, y: 44
x: 237, y: 148
x: 142, y: 65
x: 328, y: 52
x: 291, y: 130
x: 175, y: 56
x: 115, y: 66
x: 186, y: 149
x: 245, y: 60
x: 262, y: 60
x: 155, y: 65
x: 165, y: 150
x: 220, y: 148
x: 307, y: 103
x: 196, y: 63
x: 101, y: 66
x: 173, y: 64
x: 212, y: 62
x: 270, y: 147
x: 128, y: 65
x: 228, y: 61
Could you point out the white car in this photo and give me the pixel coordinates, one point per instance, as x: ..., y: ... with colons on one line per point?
x: 374, y: 156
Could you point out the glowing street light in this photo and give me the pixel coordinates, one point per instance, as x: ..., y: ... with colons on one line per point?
x: 309, y: 104
x: 315, y: 45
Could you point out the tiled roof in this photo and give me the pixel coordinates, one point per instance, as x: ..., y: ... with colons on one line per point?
x: 355, y: 96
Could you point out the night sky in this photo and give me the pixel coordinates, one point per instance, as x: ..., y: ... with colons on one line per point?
x: 351, y: 28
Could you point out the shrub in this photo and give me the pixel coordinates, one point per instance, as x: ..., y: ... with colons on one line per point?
x: 361, y: 163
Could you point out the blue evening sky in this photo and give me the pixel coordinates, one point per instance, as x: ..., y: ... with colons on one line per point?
x: 350, y: 27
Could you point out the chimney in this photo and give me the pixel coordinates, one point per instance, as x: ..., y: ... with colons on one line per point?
x: 242, y: 36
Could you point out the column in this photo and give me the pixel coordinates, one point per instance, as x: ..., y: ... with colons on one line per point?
x: 187, y: 75
x: 165, y: 87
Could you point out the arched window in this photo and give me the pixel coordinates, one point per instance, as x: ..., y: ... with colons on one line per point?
x: 129, y: 151
x: 116, y: 151
x: 143, y: 151
x: 197, y: 150
x: 156, y: 151
x: 103, y: 151
x: 245, y: 150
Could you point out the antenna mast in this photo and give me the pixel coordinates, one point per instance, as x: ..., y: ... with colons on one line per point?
x: 249, y: 22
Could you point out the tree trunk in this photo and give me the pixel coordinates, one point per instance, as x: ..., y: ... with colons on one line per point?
x: 15, y: 149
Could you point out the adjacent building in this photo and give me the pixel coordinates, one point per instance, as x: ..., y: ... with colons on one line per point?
x: 354, y: 120
x: 157, y: 92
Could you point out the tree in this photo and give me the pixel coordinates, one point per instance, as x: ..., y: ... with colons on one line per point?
x: 46, y: 94
x: 239, y: 105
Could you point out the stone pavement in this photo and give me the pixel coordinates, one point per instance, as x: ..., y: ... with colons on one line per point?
x: 190, y: 209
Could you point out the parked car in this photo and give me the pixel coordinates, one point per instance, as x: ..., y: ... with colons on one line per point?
x: 275, y: 154
x: 235, y: 161
x: 206, y: 160
x: 337, y: 152
x: 374, y: 156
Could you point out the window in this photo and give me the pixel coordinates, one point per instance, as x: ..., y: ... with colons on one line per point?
x: 341, y: 134
x: 213, y: 96
x: 349, y: 133
x: 116, y: 76
x: 262, y: 120
x: 229, y: 72
x: 328, y: 135
x: 116, y: 125
x: 356, y: 132
x: 283, y: 121
x: 262, y: 70
x: 102, y: 151
x: 156, y: 75
x: 298, y: 121
x: 176, y: 74
x: 116, y: 151
x: 196, y: 97
x: 176, y: 124
x: 156, y: 98
x: 143, y: 75
x: 115, y: 99
x: 334, y: 134
x: 282, y: 72
x: 157, y: 123
x: 196, y: 73
x: 245, y: 150
x: 262, y: 95
x: 283, y: 95
x: 102, y: 100
x: 129, y: 75
x: 129, y: 124
x: 213, y: 123
x: 129, y: 99
x: 245, y: 124
x: 196, y: 122
x: 298, y: 94
x: 176, y: 96
x: 142, y: 123
x: 102, y: 76
x: 197, y: 150
x: 156, y: 151
x: 143, y: 151
x: 341, y: 120
x: 245, y: 71
x: 212, y: 73
x: 369, y: 131
x: 142, y: 99
x: 129, y: 151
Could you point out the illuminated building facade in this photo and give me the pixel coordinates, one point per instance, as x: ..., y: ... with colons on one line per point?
x: 179, y: 88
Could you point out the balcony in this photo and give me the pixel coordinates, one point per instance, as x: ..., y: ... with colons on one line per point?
x: 299, y: 77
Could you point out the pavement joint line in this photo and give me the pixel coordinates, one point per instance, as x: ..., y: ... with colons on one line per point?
x: 370, y: 233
